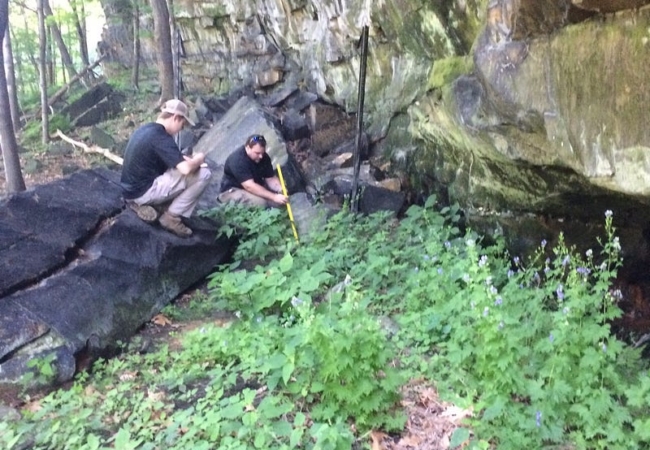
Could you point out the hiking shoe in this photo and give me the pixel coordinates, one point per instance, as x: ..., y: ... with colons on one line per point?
x: 173, y: 223
x: 146, y: 213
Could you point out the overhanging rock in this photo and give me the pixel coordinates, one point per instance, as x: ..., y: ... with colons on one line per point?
x: 79, y: 271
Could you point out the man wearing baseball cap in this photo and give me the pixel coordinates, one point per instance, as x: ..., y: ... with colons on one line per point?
x: 156, y: 173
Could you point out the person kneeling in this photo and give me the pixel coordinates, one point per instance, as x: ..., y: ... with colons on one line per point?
x: 248, y: 177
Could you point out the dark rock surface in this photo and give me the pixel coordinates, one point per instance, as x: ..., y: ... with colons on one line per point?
x: 77, y: 269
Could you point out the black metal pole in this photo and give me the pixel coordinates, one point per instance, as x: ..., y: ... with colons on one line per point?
x: 354, y: 195
x: 177, y: 70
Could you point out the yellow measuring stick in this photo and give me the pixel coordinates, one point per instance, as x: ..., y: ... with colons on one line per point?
x: 284, y: 192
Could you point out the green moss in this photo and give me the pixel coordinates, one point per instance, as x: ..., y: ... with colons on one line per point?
x: 448, y: 69
x: 214, y: 11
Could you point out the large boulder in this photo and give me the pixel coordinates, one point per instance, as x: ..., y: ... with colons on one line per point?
x: 80, y: 272
x: 244, y: 118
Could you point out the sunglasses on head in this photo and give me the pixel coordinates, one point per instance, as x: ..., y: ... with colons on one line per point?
x: 256, y: 139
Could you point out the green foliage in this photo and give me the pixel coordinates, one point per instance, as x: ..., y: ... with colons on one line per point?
x: 41, y: 373
x: 198, y: 307
x: 327, y: 332
x: 261, y: 233
x: 31, y: 135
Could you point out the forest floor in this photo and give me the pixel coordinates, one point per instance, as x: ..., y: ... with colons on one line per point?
x: 40, y: 166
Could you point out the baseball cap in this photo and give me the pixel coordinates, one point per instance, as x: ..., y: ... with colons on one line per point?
x: 177, y: 107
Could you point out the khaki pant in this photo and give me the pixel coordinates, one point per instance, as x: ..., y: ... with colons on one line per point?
x: 182, y: 192
x: 236, y: 195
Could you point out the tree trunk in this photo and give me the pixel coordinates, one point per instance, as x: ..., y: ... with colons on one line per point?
x: 135, y: 74
x: 31, y: 54
x: 163, y: 40
x: 80, y: 26
x: 8, y: 142
x: 45, y: 122
x: 50, y: 57
x: 10, y: 73
x: 19, y: 71
x: 63, y: 49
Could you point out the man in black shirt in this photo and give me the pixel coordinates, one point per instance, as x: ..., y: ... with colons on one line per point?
x: 156, y: 173
x: 248, y: 176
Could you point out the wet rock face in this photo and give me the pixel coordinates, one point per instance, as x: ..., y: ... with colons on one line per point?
x: 556, y: 116
x: 528, y: 19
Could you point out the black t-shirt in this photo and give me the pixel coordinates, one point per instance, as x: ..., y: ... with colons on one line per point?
x: 149, y: 153
x: 239, y: 168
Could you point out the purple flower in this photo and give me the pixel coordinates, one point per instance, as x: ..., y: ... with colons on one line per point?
x: 538, y: 419
x: 493, y: 290
x: 583, y: 271
x: 559, y: 291
x: 483, y: 261
x: 544, y: 243
x: 604, y: 347
x: 565, y: 310
x: 498, y: 300
x: 447, y: 244
x: 566, y: 260
x: 516, y: 259
x: 440, y: 270
x: 486, y: 311
x: 510, y: 273
x: 550, y: 337
x: 426, y: 257
x: 295, y: 302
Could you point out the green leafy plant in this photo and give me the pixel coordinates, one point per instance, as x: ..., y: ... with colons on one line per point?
x: 326, y: 333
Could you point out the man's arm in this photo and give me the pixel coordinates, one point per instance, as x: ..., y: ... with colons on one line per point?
x: 256, y: 189
x: 274, y: 184
x: 190, y: 164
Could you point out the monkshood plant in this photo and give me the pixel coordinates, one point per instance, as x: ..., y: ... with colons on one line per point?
x: 529, y: 346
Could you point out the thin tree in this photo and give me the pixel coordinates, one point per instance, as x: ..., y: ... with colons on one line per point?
x: 58, y: 38
x: 10, y: 73
x: 45, y: 122
x: 15, y: 182
x: 135, y: 73
x: 50, y: 57
x: 20, y: 69
x: 163, y: 40
x: 79, y: 17
x: 28, y: 48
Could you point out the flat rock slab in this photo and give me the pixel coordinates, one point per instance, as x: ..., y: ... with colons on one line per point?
x: 80, y: 271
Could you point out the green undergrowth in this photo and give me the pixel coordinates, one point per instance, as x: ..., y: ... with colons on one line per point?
x: 327, y: 331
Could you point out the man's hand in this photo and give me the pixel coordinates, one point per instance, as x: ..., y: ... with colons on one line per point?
x: 281, y: 199
x: 191, y: 163
x: 261, y: 191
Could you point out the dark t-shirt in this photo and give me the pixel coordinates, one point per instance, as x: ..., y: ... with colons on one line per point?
x: 149, y: 153
x: 239, y: 168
